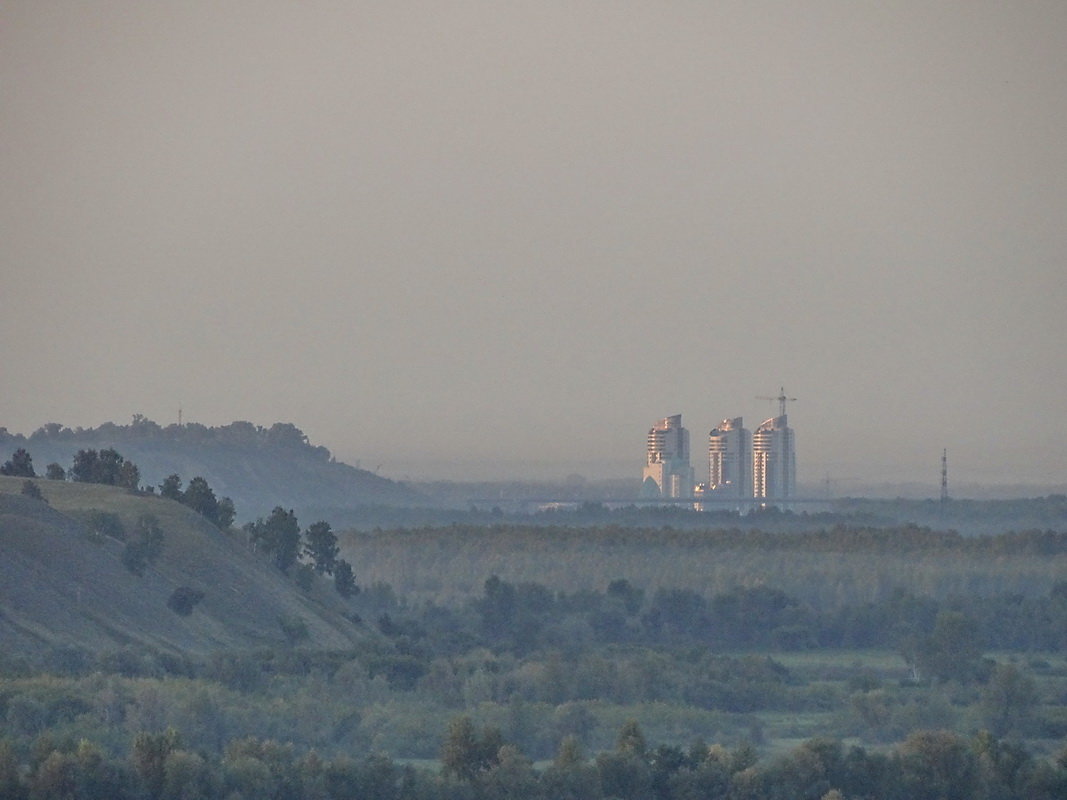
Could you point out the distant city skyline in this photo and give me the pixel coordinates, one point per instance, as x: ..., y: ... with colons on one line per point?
x: 496, y: 240
x: 740, y: 465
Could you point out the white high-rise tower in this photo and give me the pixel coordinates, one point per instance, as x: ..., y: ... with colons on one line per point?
x: 667, y: 470
x: 774, y: 465
x: 730, y: 459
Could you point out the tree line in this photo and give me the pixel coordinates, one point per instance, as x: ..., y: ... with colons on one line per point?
x: 478, y: 764
x: 109, y: 467
x: 279, y: 537
x: 240, y: 434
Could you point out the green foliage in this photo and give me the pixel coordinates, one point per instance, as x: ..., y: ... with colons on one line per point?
x: 31, y: 490
x: 304, y: 577
x: 278, y: 536
x: 321, y: 547
x: 150, y: 753
x: 258, y: 464
x: 200, y: 497
x: 10, y: 783
x: 183, y: 600
x: 467, y: 753
x: 544, y: 666
x: 199, y: 740
x: 1008, y: 701
x: 822, y: 568
x: 19, y: 466
x: 225, y: 513
x: 104, y: 523
x: 952, y: 650
x: 55, y: 472
x: 145, y: 546
x: 106, y: 467
x: 171, y: 488
x: 938, y: 765
x: 294, y: 628
x: 344, y: 580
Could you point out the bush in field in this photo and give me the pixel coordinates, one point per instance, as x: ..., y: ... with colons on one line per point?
x: 104, y: 523
x: 145, y: 546
x: 183, y: 600
x: 31, y: 490
x: 294, y: 628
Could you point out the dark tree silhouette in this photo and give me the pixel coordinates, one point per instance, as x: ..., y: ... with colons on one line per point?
x: 20, y: 465
x: 344, y: 580
x: 321, y: 547
x: 278, y: 536
x: 171, y: 488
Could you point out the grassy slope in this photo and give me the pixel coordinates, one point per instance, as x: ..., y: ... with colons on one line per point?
x: 256, y: 479
x: 59, y: 587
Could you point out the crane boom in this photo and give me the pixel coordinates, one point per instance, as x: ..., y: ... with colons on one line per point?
x: 782, y: 400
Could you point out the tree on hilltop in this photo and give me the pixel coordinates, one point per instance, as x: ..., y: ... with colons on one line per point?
x: 20, y: 465
x: 171, y: 488
x: 199, y: 496
x: 106, y: 466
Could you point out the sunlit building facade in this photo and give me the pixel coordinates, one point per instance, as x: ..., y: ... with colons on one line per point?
x: 668, y: 472
x: 730, y: 460
x: 774, y: 461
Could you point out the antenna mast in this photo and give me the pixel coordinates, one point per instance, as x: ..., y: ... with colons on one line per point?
x: 944, y: 476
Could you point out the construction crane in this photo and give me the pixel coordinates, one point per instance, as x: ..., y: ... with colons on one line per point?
x: 782, y: 400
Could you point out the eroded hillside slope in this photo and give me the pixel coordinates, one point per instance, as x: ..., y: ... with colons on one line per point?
x: 61, y: 584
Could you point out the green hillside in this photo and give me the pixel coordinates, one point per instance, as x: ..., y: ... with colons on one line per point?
x: 62, y: 585
x: 257, y: 467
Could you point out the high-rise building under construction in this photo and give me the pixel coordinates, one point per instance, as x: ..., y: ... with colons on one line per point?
x: 774, y: 465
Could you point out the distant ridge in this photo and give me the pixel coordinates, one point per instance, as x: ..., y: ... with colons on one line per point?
x: 257, y: 467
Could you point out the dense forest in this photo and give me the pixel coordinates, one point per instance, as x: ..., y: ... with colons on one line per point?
x: 478, y: 764
x: 825, y: 567
x: 516, y: 660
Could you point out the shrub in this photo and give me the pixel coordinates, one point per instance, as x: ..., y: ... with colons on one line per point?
x: 104, y: 523
x: 33, y: 491
x: 146, y: 547
x: 305, y: 577
x: 294, y: 628
x: 183, y: 600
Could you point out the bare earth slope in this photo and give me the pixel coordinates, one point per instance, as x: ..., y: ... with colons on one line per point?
x: 60, y: 587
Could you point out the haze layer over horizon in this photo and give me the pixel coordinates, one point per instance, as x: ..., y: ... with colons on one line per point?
x: 487, y: 235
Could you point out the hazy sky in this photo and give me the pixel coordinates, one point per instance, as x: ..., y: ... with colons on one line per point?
x: 506, y: 237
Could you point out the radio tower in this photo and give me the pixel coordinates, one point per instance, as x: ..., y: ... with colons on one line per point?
x: 944, y: 477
